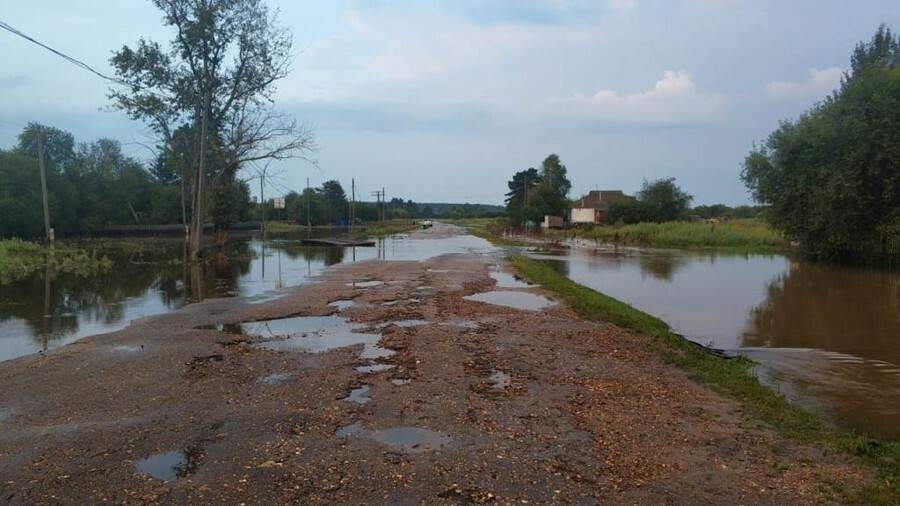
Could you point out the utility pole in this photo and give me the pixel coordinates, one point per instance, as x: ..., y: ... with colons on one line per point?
x: 308, y: 218
x: 379, y: 196
x: 48, y: 232
x: 352, y: 203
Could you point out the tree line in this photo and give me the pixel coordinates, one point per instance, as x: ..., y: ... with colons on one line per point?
x: 832, y: 177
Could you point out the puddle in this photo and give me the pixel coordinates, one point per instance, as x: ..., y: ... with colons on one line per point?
x: 390, y: 303
x: 127, y: 348
x: 365, y: 284
x: 401, y: 381
x: 357, y: 395
x: 507, y: 280
x: 373, y: 351
x: 365, y: 369
x: 404, y: 323
x: 412, y: 439
x: 517, y: 300
x: 348, y: 430
x: 341, y: 305
x: 171, y: 466
x: 274, y: 379
x: 499, y: 379
x: 311, y: 334
x: 465, y: 324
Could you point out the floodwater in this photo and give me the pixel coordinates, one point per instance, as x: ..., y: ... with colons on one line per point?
x: 827, y: 337
x: 50, y: 309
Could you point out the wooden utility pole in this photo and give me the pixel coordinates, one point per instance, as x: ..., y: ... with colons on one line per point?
x: 308, y: 218
x: 196, y: 236
x: 48, y: 232
x: 352, y: 203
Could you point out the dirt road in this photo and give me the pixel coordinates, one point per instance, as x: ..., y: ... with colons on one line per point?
x: 443, y: 400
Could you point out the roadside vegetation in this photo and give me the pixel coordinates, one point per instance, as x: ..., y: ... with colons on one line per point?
x: 732, y: 377
x: 831, y: 177
x: 19, y: 258
x: 748, y: 235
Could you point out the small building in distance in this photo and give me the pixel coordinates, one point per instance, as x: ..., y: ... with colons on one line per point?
x: 592, y: 207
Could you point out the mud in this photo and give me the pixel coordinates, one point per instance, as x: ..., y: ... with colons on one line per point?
x: 582, y: 413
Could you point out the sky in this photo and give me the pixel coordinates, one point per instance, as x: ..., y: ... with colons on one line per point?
x: 445, y: 100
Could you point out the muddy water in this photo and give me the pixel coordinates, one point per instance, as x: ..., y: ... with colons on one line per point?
x: 827, y: 337
x: 50, y: 309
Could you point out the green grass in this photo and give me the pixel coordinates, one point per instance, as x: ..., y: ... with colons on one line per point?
x: 20, y: 258
x: 732, y: 377
x: 748, y: 235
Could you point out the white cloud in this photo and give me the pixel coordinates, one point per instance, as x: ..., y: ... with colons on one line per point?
x: 623, y: 5
x: 674, y: 100
x: 819, y: 83
x: 418, y: 55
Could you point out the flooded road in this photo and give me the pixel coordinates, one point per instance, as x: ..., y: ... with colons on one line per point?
x: 50, y: 309
x: 827, y: 337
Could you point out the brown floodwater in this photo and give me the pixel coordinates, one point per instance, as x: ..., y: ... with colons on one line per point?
x: 827, y: 337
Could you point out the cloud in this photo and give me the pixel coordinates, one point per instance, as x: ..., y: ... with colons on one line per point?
x: 623, y: 5
x: 420, y: 55
x: 819, y: 83
x: 17, y: 81
x: 673, y: 100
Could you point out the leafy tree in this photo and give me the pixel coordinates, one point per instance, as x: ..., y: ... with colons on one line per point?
x: 662, y: 200
x: 336, y: 203
x: 226, y: 106
x: 832, y: 177
x: 521, y: 184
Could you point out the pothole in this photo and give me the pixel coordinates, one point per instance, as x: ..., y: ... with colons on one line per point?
x: 358, y: 395
x: 171, y: 465
x: 274, y: 379
x: 366, y: 284
x: 517, y: 300
x: 412, y: 439
x: 366, y: 369
x: 348, y: 430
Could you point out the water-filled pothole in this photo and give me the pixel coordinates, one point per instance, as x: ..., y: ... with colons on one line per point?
x: 373, y: 352
x: 365, y: 369
x: 172, y: 465
x: 366, y: 284
x: 517, y: 300
x: 127, y: 348
x: 412, y: 439
x: 274, y: 379
x: 341, y: 305
x: 401, y: 381
x: 311, y: 334
x: 499, y: 379
x: 404, y: 323
x: 349, y: 429
x: 507, y: 280
x: 358, y: 395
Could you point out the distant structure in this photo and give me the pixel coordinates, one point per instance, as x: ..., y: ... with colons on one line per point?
x: 592, y: 207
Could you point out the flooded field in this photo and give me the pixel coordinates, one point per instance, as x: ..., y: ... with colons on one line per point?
x: 50, y: 309
x: 827, y: 337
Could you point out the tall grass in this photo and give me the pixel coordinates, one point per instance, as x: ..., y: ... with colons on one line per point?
x: 19, y: 258
x: 735, y: 234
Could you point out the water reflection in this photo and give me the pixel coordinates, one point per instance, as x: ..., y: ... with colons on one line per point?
x: 848, y: 310
x: 50, y: 309
x: 826, y: 336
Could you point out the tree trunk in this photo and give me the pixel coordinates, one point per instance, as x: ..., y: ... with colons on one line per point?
x: 196, y: 233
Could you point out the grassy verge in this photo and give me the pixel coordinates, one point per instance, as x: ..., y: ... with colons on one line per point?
x: 743, y: 235
x: 19, y: 258
x: 732, y: 378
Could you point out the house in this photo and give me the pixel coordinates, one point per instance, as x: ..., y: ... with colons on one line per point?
x: 553, y: 222
x: 593, y: 207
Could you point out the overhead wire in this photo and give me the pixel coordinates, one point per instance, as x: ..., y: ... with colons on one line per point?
x: 62, y: 55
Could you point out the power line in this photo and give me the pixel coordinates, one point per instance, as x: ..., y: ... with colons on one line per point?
x: 64, y: 56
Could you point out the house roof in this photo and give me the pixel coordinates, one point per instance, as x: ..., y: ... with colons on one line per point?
x: 600, y: 199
